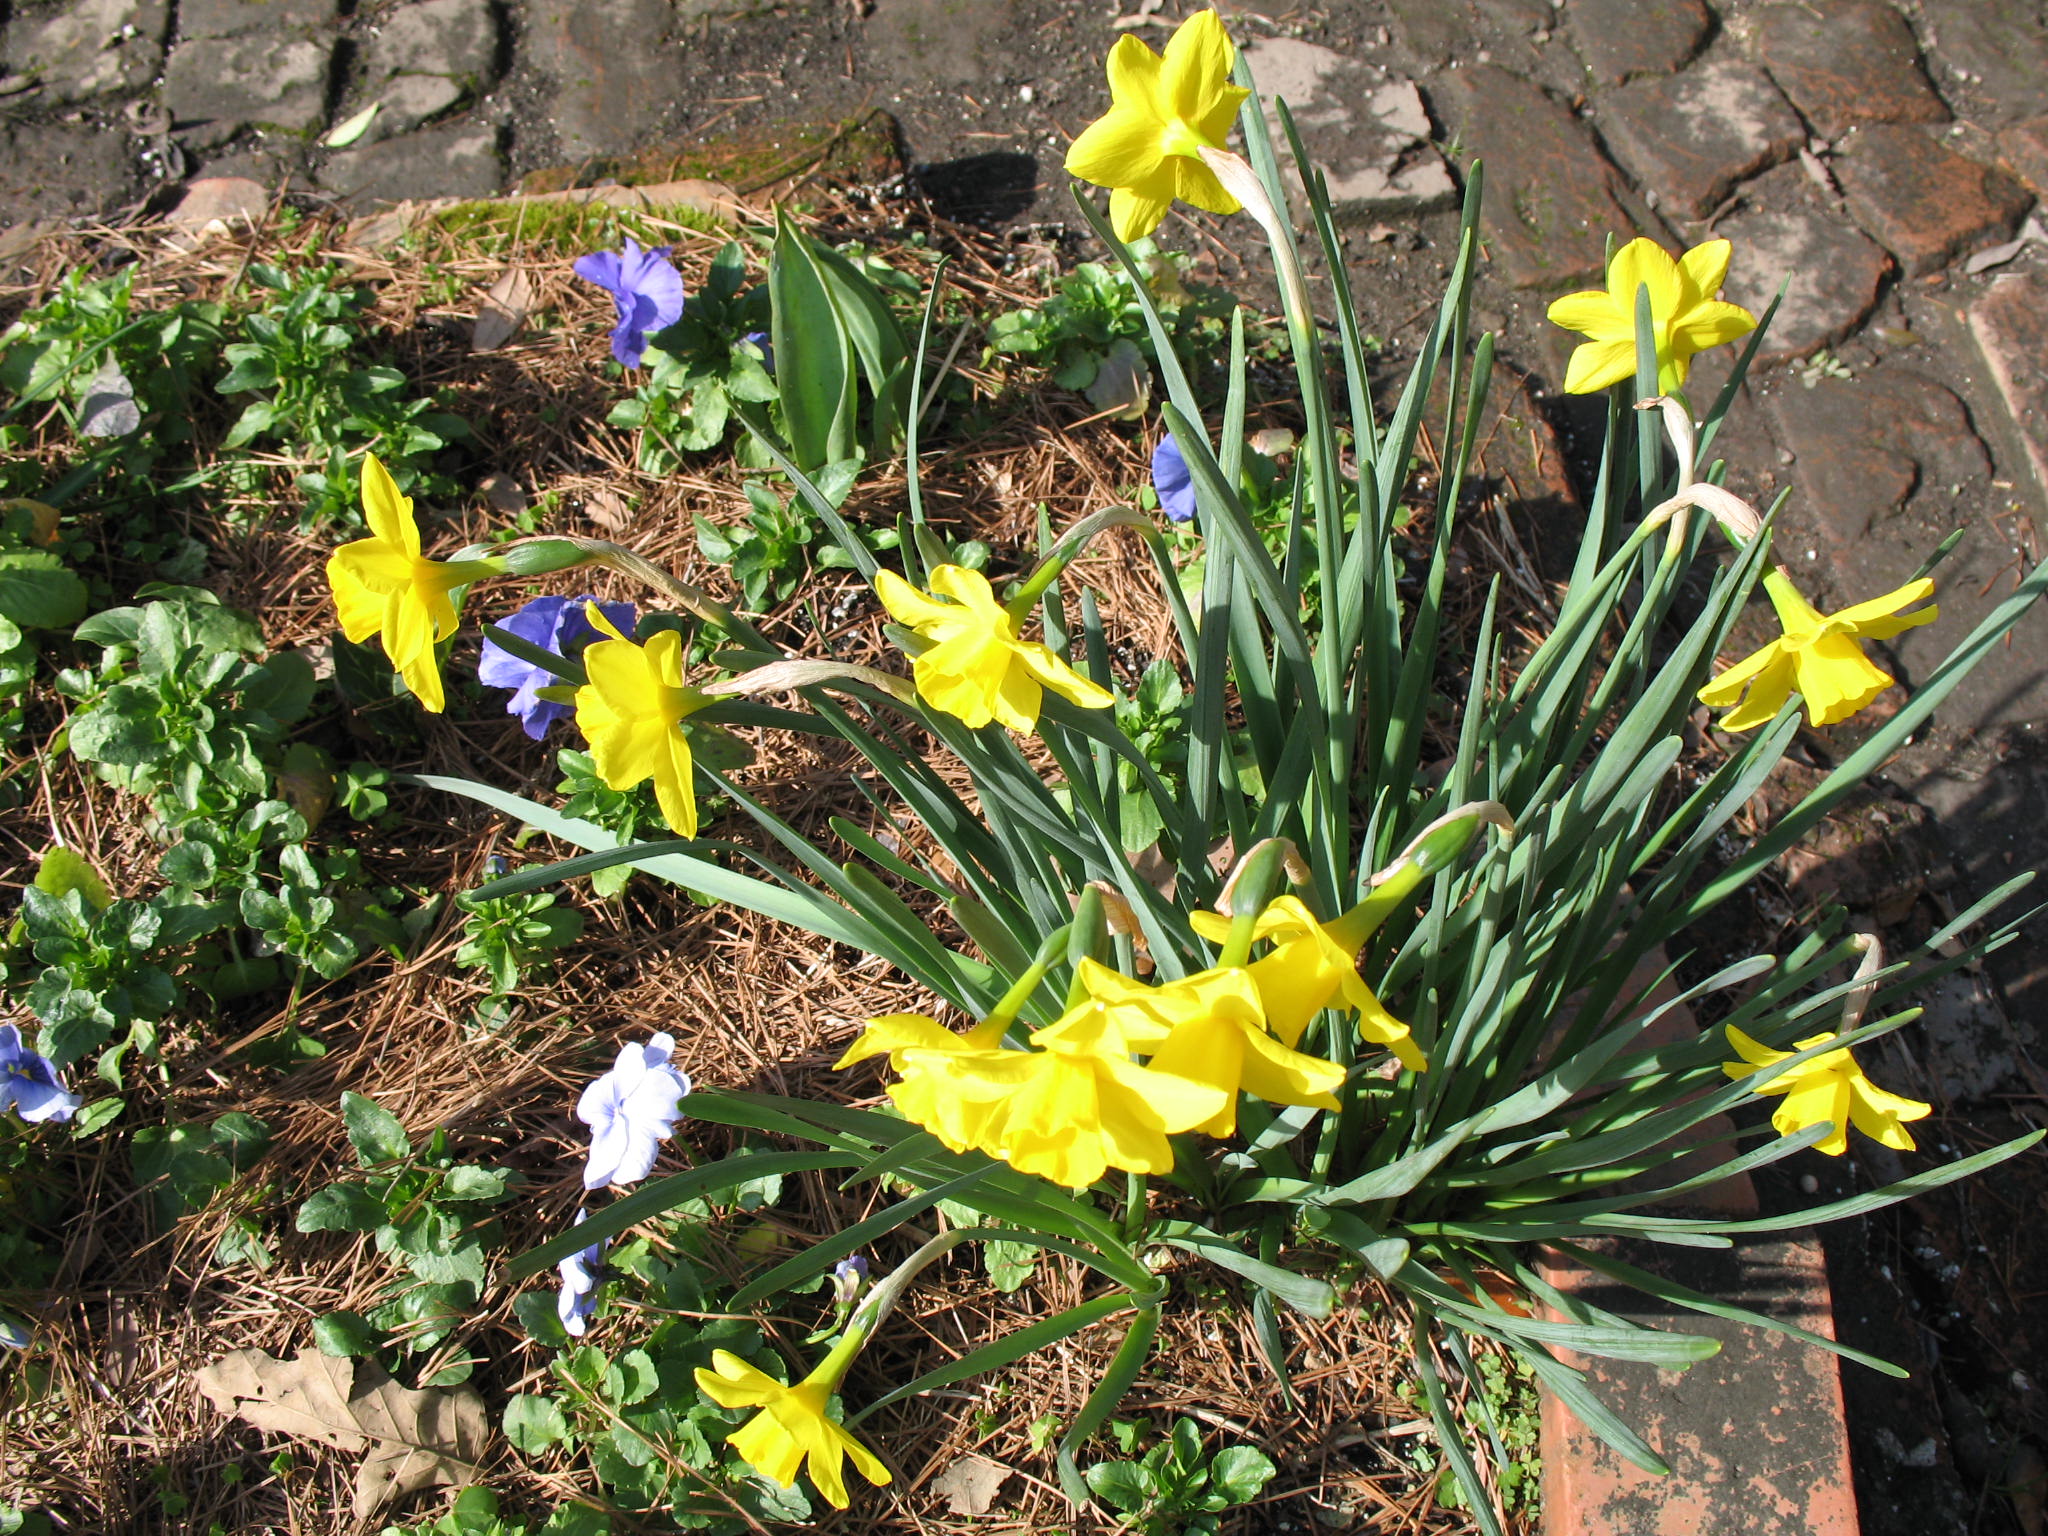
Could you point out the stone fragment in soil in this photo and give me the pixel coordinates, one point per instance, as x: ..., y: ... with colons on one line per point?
x: 1920, y: 199
x: 2000, y: 52
x: 616, y: 69
x: 1964, y: 1040
x: 460, y: 160
x: 1552, y: 197
x: 60, y: 169
x: 89, y: 48
x: 1695, y: 136
x: 213, y: 86
x: 1369, y: 136
x: 249, y: 18
x: 936, y: 42
x: 2010, y: 326
x: 1782, y: 231
x: 1620, y: 39
x: 1451, y: 34
x: 2023, y: 150
x: 215, y: 203
x: 425, y: 58
x: 1864, y: 446
x: 1847, y: 64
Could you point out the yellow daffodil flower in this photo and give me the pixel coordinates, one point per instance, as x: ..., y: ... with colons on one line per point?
x: 1818, y: 657
x: 1684, y: 307
x: 631, y: 712
x: 792, y: 1431
x: 1216, y: 1034
x: 1067, y: 1110
x: 1830, y: 1087
x: 1147, y: 149
x: 976, y: 668
x: 383, y: 586
x: 1306, y: 971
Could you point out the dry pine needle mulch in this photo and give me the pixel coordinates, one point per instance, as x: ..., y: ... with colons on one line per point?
x: 119, y: 1440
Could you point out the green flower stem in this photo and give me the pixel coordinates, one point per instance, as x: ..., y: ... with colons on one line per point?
x: 1026, y: 597
x: 1051, y: 950
x: 878, y: 1303
x: 1255, y: 884
x: 832, y: 1370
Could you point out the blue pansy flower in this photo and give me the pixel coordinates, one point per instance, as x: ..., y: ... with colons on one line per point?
x: 760, y: 342
x: 29, y: 1083
x: 580, y: 1273
x: 631, y: 1110
x: 1170, y: 478
x: 556, y: 624
x: 645, y: 286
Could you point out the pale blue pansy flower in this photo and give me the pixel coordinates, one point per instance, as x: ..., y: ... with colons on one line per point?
x: 29, y: 1083
x: 580, y: 1273
x: 631, y: 1110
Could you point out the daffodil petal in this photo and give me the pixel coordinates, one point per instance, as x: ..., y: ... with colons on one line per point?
x: 1597, y: 364
x: 1644, y: 264
x: 1118, y: 149
x: 1594, y: 315
x: 1708, y: 325
x: 1880, y: 617
x: 1134, y: 215
x: 1705, y: 267
x: 387, y: 512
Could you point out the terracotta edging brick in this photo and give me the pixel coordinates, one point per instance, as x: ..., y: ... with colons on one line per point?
x: 1754, y: 1436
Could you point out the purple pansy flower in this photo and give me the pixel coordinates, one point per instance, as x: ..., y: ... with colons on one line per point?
x: 1170, y: 478
x: 579, y: 1272
x: 631, y: 1110
x: 849, y: 1276
x: 29, y: 1082
x: 645, y: 286
x: 760, y: 342
x: 554, y: 624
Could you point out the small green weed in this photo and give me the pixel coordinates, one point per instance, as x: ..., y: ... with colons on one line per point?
x: 423, y: 1208
x: 1177, y: 1488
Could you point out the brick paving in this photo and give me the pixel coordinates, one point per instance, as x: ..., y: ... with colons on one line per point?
x: 1863, y: 150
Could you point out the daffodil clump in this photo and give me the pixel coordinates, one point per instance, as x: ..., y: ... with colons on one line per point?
x: 1382, y: 984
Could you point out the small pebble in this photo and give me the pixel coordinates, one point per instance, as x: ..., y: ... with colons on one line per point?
x: 1025, y: 93
x: 1808, y: 1184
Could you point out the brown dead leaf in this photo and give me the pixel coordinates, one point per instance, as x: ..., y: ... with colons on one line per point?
x: 502, y: 494
x: 414, y: 1439
x: 971, y: 1484
x: 503, y: 310
x: 608, y: 509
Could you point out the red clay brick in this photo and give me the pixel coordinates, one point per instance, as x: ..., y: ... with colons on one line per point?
x: 1920, y: 199
x: 1844, y: 64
